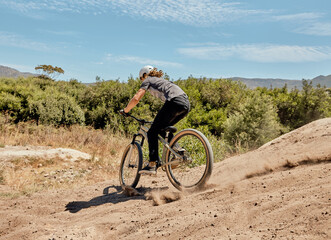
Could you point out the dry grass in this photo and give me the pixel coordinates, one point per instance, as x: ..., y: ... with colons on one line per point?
x: 28, y: 175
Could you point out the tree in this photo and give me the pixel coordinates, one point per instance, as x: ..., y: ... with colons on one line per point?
x: 48, y: 71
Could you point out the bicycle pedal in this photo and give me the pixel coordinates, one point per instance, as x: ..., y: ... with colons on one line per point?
x: 174, y: 166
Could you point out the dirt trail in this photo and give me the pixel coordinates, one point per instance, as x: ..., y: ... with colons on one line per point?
x: 279, y: 191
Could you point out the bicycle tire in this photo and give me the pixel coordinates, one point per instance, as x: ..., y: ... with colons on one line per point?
x: 129, y: 168
x: 200, y: 159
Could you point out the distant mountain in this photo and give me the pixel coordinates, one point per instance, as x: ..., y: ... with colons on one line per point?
x: 323, y: 80
x: 279, y: 83
x: 13, y: 73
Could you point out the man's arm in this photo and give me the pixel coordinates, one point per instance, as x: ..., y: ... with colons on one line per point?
x: 134, y: 101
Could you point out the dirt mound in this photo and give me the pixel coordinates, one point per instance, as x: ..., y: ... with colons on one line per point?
x: 307, y: 145
x: 279, y: 191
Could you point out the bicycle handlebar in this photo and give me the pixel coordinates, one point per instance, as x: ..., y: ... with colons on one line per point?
x: 142, y: 121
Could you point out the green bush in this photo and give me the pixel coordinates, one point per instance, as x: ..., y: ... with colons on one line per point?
x: 225, y: 111
x: 255, y: 122
x: 315, y: 103
x: 41, y: 100
x: 9, y: 103
x: 211, y: 101
x: 297, y: 108
x: 54, y: 108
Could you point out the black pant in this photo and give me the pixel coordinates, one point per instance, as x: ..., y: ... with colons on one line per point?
x: 171, y: 112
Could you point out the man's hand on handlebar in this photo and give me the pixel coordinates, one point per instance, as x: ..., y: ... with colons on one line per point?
x: 124, y: 113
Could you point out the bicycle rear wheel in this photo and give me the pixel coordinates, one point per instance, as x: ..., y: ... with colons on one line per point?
x: 130, y: 166
x: 193, y: 170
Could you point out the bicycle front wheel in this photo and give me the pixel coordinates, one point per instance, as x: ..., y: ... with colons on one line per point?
x: 193, y: 169
x: 131, y: 164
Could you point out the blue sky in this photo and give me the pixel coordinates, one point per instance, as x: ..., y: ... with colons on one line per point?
x: 113, y: 39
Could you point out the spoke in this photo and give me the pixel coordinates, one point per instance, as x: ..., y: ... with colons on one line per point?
x: 193, y: 164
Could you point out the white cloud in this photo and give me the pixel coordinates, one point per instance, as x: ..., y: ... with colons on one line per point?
x: 298, y: 16
x: 14, y: 40
x: 61, y: 33
x: 143, y: 61
x: 316, y: 28
x: 310, y: 23
x: 192, y: 12
x: 260, y: 53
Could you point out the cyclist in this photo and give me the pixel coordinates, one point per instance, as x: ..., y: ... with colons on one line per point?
x: 175, y: 108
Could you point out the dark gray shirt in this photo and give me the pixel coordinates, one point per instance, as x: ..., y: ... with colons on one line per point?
x: 161, y: 88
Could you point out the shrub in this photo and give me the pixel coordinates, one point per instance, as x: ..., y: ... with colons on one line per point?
x: 254, y: 124
x: 57, y: 109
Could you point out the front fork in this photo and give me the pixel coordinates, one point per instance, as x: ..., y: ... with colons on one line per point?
x: 132, y: 144
x: 138, y: 135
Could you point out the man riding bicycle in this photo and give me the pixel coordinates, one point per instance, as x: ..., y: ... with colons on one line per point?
x: 175, y: 108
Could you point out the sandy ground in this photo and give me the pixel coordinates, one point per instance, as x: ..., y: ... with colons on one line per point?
x: 12, y: 152
x: 279, y: 191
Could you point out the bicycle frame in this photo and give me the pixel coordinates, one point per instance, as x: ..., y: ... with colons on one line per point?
x: 142, y: 132
x: 177, y: 160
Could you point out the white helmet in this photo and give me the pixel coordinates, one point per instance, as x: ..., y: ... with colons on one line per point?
x: 147, y: 69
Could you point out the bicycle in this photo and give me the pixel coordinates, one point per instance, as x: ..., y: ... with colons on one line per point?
x: 187, y: 159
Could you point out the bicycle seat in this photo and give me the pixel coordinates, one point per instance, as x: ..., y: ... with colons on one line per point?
x: 170, y: 129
